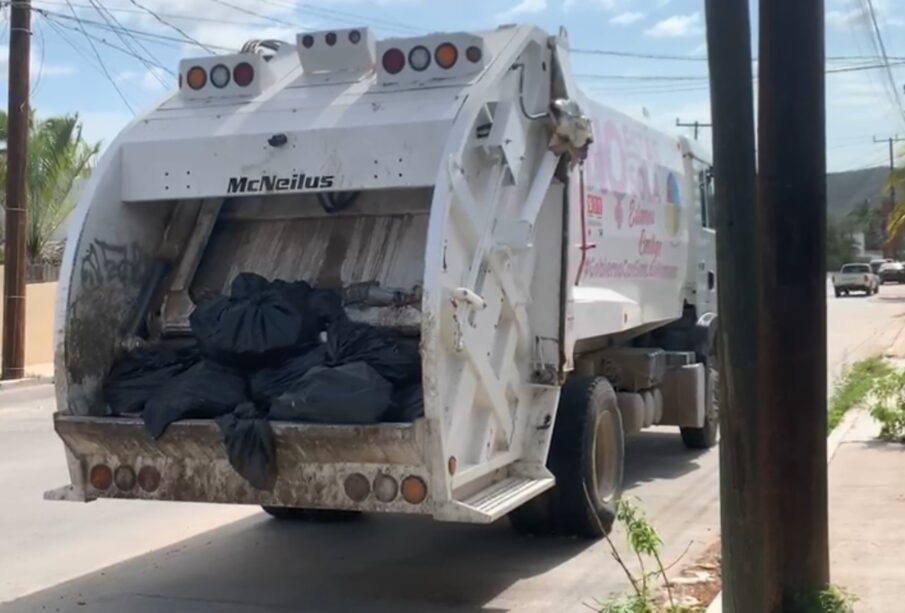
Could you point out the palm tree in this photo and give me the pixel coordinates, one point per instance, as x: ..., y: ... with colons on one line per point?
x: 58, y: 156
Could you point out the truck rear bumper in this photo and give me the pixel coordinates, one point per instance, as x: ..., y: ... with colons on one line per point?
x: 189, y: 463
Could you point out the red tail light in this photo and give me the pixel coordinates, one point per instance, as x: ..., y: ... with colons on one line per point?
x: 393, y: 61
x: 100, y: 477
x: 243, y: 74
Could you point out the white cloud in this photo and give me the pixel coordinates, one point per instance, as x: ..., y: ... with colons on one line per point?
x: 677, y: 26
x: 628, y: 18
x: 525, y: 7
x: 606, y: 5
x: 36, y: 66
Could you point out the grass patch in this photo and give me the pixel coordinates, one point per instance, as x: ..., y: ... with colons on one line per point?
x: 853, y: 387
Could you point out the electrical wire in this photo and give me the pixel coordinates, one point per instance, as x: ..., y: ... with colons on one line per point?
x: 125, y: 38
x: 346, y: 16
x: 103, y: 65
x: 252, y: 13
x: 43, y: 45
x: 50, y: 20
x: 882, y: 47
x: 185, y: 35
x: 137, y: 11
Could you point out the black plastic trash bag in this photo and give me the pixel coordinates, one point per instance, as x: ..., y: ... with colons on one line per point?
x: 408, y: 404
x: 255, y: 326
x: 250, y: 445
x: 266, y: 384
x: 396, y: 358
x: 139, y: 374
x: 327, y: 307
x: 206, y: 390
x: 349, y: 394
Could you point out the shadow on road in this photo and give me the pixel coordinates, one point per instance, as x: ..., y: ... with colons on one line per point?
x: 378, y: 564
x: 650, y: 456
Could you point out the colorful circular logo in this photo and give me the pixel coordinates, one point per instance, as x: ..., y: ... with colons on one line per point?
x: 673, y: 205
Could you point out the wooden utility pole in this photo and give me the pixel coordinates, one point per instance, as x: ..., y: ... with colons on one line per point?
x: 772, y: 302
x: 697, y: 125
x: 741, y: 448
x: 16, y: 191
x: 888, y: 208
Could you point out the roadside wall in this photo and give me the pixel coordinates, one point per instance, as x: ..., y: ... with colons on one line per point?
x: 40, y: 299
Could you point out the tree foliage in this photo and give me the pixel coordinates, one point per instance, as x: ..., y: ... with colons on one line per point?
x: 58, y: 156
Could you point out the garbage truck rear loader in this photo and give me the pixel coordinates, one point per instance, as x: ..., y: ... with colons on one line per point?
x: 560, y: 255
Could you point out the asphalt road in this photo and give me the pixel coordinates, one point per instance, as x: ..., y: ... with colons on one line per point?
x: 115, y: 556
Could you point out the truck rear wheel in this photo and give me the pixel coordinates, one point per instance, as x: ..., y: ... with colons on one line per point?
x: 311, y: 515
x: 587, y: 455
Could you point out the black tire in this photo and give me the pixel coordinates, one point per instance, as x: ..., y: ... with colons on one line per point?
x: 838, y: 293
x: 311, y: 515
x: 587, y: 457
x: 708, y: 435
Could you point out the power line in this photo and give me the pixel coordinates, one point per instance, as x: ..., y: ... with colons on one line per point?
x: 58, y: 26
x: 256, y: 14
x: 101, y: 61
x: 694, y: 58
x: 172, y: 26
x: 882, y: 47
x: 111, y: 19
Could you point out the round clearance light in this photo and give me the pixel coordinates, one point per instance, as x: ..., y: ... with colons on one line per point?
x: 354, y: 37
x: 393, y: 61
x: 307, y: 41
x: 124, y: 477
x: 419, y: 58
x: 243, y: 74
x: 473, y: 54
x: 357, y: 487
x: 385, y: 488
x: 220, y: 76
x: 196, y: 77
x: 101, y: 477
x: 148, y: 479
x: 414, y: 490
x: 446, y: 55
x: 330, y: 38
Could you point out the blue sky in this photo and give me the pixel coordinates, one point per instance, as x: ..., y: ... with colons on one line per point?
x: 68, y: 76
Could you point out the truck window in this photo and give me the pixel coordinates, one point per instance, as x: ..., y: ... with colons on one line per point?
x: 705, y: 195
x: 856, y: 268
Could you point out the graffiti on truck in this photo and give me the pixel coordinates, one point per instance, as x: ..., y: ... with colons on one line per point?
x: 105, y: 263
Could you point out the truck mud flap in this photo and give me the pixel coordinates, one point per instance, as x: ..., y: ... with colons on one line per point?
x: 329, y: 467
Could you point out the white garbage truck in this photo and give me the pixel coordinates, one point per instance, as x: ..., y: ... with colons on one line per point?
x: 562, y: 255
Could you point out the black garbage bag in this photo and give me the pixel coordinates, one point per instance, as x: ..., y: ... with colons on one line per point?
x: 327, y: 306
x: 266, y: 384
x: 396, y: 358
x: 350, y: 394
x: 408, y: 404
x: 139, y: 374
x: 206, y: 390
x: 255, y: 326
x: 250, y: 445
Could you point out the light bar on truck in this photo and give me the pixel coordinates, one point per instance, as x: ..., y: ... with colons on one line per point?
x: 428, y: 58
x: 240, y: 74
x: 337, y: 50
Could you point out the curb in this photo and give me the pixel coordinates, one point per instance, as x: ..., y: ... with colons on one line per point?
x: 26, y: 382
x: 833, y: 441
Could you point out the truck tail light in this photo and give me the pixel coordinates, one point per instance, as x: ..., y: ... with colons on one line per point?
x: 124, y: 477
x: 330, y: 38
x: 243, y: 74
x: 473, y: 54
x: 196, y: 77
x: 100, y: 477
x: 220, y: 76
x: 393, y: 61
x: 307, y: 41
x: 414, y: 490
x: 419, y: 58
x: 385, y: 488
x: 357, y: 487
x: 446, y: 55
x: 354, y: 37
x: 148, y: 479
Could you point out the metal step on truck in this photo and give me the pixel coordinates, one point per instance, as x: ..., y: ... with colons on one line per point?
x: 562, y: 255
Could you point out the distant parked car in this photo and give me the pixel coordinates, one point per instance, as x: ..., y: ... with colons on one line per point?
x: 876, y: 264
x: 892, y: 272
x: 856, y: 278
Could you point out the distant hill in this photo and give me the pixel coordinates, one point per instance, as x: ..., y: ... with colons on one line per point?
x: 846, y: 190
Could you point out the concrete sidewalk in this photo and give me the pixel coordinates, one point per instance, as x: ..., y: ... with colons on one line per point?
x: 866, y: 511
